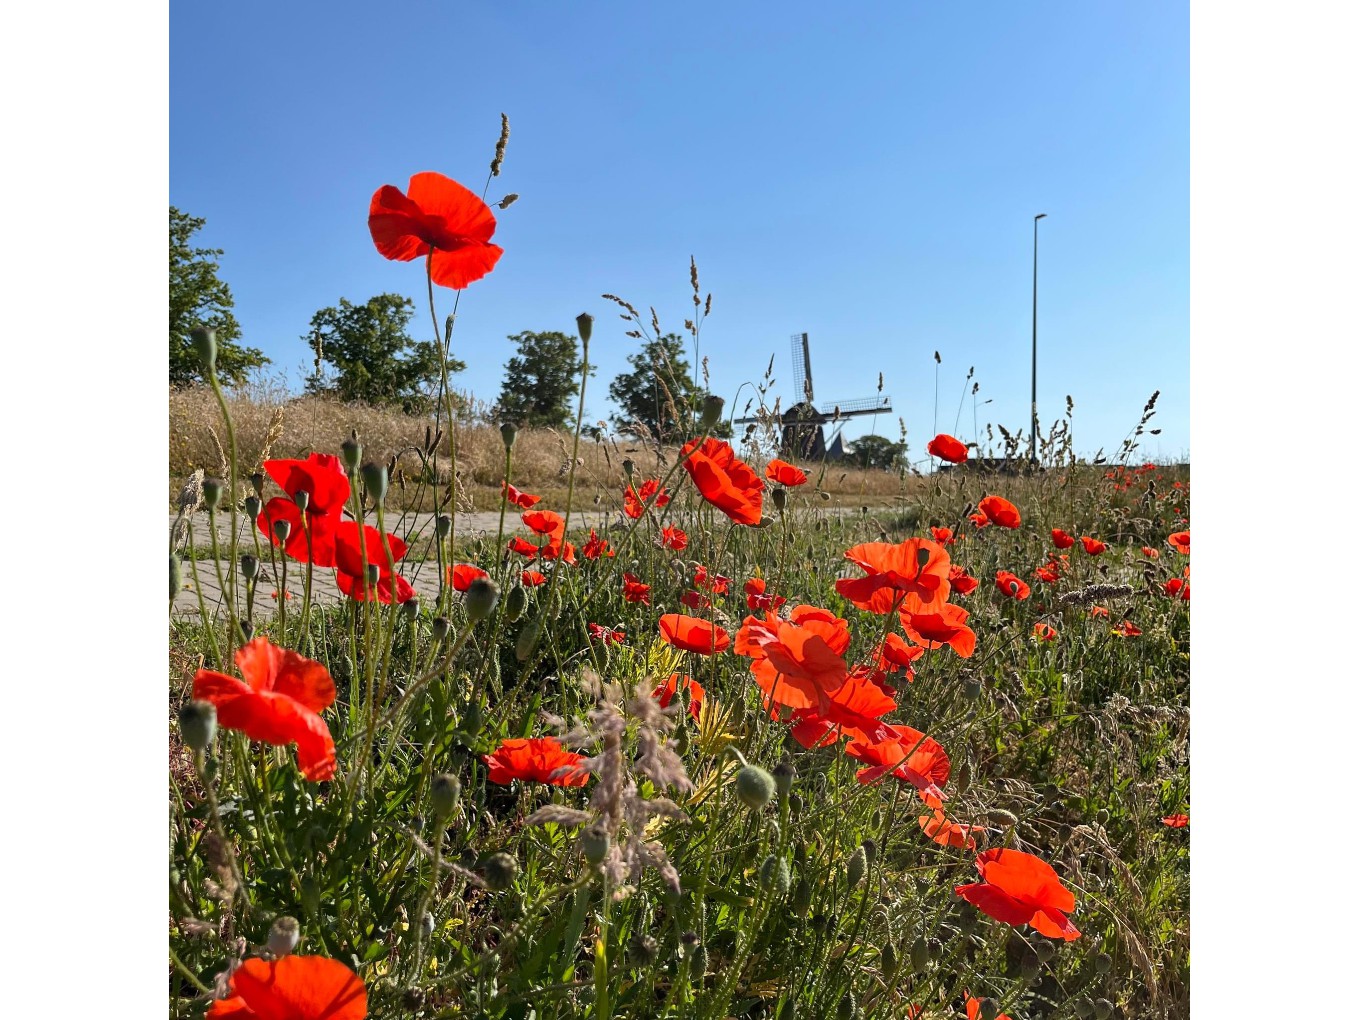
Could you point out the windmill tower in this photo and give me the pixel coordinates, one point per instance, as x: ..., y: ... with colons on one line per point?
x: 802, y: 434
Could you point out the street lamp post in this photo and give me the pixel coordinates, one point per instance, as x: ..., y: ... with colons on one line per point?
x: 1034, y: 354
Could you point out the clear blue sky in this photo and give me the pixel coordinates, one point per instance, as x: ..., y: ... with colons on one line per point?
x: 866, y: 173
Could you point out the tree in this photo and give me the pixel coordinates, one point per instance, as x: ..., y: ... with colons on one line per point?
x: 371, y: 356
x: 877, y: 452
x: 657, y: 390
x: 199, y: 298
x: 540, y: 381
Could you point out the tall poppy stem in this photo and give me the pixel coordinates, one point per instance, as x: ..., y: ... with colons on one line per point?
x: 231, y: 497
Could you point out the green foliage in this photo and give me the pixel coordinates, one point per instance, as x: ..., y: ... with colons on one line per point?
x: 541, y: 380
x: 659, y: 394
x: 877, y: 452
x: 199, y: 298
x: 371, y: 357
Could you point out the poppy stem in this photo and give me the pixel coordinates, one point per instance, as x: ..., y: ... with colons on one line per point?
x: 231, y: 498
x: 202, y: 605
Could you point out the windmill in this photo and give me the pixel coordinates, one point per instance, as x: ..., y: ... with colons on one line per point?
x: 801, y: 433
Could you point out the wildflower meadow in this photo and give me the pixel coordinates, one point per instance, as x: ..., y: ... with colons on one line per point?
x: 687, y: 739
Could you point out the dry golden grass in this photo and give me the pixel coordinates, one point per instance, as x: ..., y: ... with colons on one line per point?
x: 282, y: 428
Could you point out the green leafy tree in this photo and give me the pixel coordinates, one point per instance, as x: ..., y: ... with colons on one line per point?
x: 877, y: 452
x: 540, y: 381
x: 199, y: 298
x: 659, y: 393
x: 370, y: 357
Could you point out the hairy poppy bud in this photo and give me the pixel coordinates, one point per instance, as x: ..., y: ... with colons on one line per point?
x: 1104, y: 1007
x: 1044, y: 950
x: 283, y: 936
x: 515, y: 603
x: 922, y: 558
x: 1083, y: 1008
x: 935, y: 948
x: 253, y: 508
x: 204, y: 339
x: 250, y: 566
x: 784, y: 774
x: 482, y: 596
x: 870, y: 849
x: 375, y: 481
x: 198, y: 724
x: 257, y: 483
x: 410, y: 608
x: 527, y: 639
x: 774, y: 875
x: 642, y: 949
x: 856, y: 866
x: 351, y: 453
x: 444, y: 794
x: 594, y: 843
x: 1103, y: 817
x: 439, y: 629
x: 508, y: 432
x: 1002, y: 817
x: 972, y: 690
x: 176, y: 580
x: 374, y: 575
x: 920, y: 954
x: 443, y: 524
x: 1100, y: 963
x: 780, y: 498
x: 713, y: 408
x: 688, y: 940
x: 698, y: 961
x: 212, y: 492
x: 472, y: 719
x: 887, y: 961
x: 584, y: 323
x: 500, y: 871
x: 802, y: 897
x: 628, y: 466
x: 282, y: 529
x: 755, y: 786
x: 247, y: 630
x: 845, y: 1009
x: 988, y: 1009
x: 301, y: 498
x: 1030, y: 965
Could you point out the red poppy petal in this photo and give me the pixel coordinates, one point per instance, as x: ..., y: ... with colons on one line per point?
x: 301, y: 988
x: 460, y: 211
x: 996, y: 903
x: 458, y: 268
x: 307, y: 682
x: 1054, y: 924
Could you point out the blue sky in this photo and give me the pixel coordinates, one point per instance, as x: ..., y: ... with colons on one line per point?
x: 867, y: 174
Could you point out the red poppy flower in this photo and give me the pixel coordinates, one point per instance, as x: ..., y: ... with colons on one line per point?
x: 1001, y: 512
x: 1018, y: 888
x: 293, y: 988
x: 854, y: 710
x: 895, y: 654
x: 595, y: 547
x: 673, y: 538
x: 531, y: 578
x: 564, y: 551
x: 279, y: 702
x: 961, y: 582
x: 1062, y: 539
x: 1094, y: 546
x: 973, y: 1007
x: 946, y: 447
x: 1048, y: 573
x: 440, y: 218
x: 1180, y: 541
x: 605, y: 634
x: 544, y: 522
x: 907, y: 754
x: 635, y: 501
x: 536, y: 760
x: 799, y: 661
x: 1176, y: 821
x: 756, y: 598
x: 979, y: 519
x: 693, y: 635
x: 784, y: 473
x: 912, y: 575
x: 1179, y: 586
x: 522, y: 546
x: 669, y: 691
x: 1099, y: 611
x: 635, y: 591
x: 945, y: 536
x: 947, y: 833
x: 288, y: 596
x: 350, y: 556
x: 1128, y: 628
x: 1011, y: 585
x: 461, y: 575
x: 715, y: 583
x: 945, y: 626
x: 1044, y: 632
x: 726, y: 482
x: 1151, y: 553
x: 386, y: 588
x: 323, y: 480
x: 695, y: 600
x: 523, y: 500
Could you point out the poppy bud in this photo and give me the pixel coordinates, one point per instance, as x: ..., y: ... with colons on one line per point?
x: 936, y: 949
x: 410, y: 608
x: 444, y: 794
x: 780, y: 498
x: 212, y: 493
x: 1002, y: 817
x: 642, y: 949
x: 527, y: 639
x: 1100, y: 963
x: 713, y: 408
x: 250, y: 566
x: 1103, y: 816
x: 698, y: 962
x: 845, y: 1009
x: 375, y: 481
x: 755, y: 786
x: 988, y: 1009
x: 1030, y: 965
x: 856, y: 866
x: 784, y: 774
x: 253, y: 508
x: 688, y: 940
x: 176, y: 581
x: 301, y: 498
x: 374, y: 575
x: 628, y: 466
x: 594, y: 842
x: 282, y: 529
x: 311, y: 896
x: 1044, y: 950
x: 515, y: 603
x: 198, y: 724
x: 439, y: 629
x: 1083, y: 1008
x: 257, y: 483
x: 351, y: 452
x: 247, y: 630
x: 583, y: 325
x: 972, y: 690
x: 964, y: 778
x: 870, y: 849
x: 500, y: 871
x: 283, y: 936
x: 443, y: 524
x: 482, y: 596
x: 920, y: 954
x: 508, y: 431
x: 774, y: 875
x: 1104, y: 1007
x: 472, y: 719
x: 802, y: 897
x: 204, y: 339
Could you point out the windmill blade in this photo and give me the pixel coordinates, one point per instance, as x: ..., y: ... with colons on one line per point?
x: 802, y: 368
